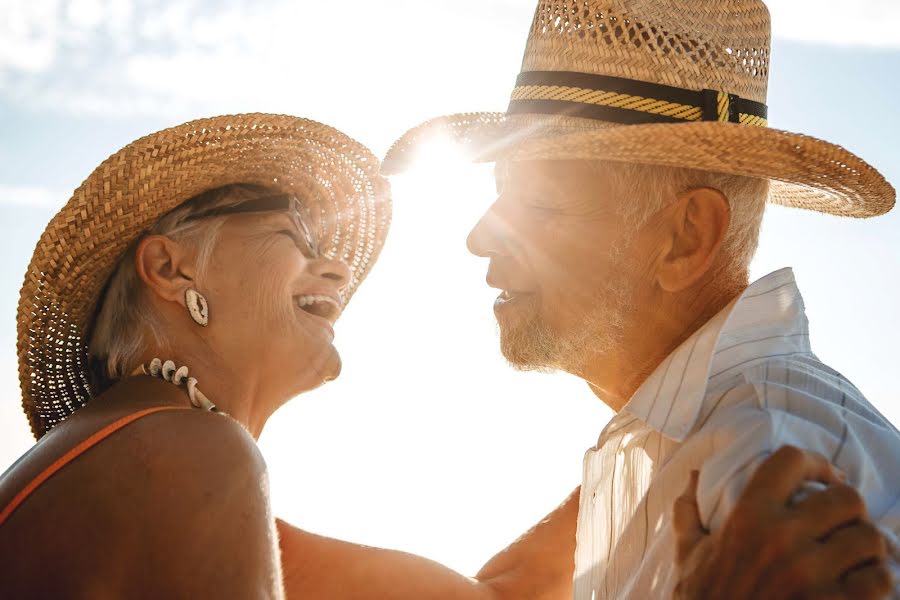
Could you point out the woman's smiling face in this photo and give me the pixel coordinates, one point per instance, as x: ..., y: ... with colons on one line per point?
x: 273, y: 300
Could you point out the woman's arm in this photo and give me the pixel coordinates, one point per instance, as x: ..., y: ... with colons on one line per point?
x: 540, y: 564
x: 537, y: 566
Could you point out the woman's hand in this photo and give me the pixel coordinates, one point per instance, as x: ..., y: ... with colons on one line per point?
x: 823, y: 546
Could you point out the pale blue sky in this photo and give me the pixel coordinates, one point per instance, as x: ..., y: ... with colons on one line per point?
x: 425, y: 407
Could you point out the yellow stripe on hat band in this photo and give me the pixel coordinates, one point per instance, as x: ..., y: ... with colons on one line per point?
x: 753, y: 120
x: 724, y: 107
x: 601, y: 98
x: 628, y: 101
x: 685, y: 112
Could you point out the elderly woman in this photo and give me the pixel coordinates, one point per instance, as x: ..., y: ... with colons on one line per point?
x: 186, y: 291
x: 200, y: 267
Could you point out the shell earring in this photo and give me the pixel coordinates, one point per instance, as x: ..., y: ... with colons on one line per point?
x: 197, y: 306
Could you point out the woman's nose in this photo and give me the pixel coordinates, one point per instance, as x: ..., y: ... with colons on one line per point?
x: 332, y: 269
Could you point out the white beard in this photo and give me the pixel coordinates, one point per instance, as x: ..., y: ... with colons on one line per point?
x: 534, y: 346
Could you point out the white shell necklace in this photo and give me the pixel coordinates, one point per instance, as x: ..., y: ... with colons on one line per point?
x: 166, y: 370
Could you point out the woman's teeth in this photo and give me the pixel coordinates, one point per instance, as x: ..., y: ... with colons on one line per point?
x: 320, y: 305
x: 310, y: 300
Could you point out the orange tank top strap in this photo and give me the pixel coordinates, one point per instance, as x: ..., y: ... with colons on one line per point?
x: 74, y: 453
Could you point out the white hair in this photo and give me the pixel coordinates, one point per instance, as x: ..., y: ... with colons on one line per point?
x: 643, y: 190
x: 117, y: 340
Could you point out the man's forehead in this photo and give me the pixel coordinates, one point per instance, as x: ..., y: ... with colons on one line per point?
x: 537, y: 172
x: 500, y: 168
x: 509, y: 171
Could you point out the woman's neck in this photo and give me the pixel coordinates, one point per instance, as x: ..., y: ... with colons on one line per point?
x: 236, y: 392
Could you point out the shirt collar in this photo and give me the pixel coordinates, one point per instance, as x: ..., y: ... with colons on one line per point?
x: 767, y: 320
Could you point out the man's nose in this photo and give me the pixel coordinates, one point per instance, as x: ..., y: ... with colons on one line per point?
x: 489, y: 236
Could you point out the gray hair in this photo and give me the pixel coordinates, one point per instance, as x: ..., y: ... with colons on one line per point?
x: 117, y: 337
x: 643, y: 190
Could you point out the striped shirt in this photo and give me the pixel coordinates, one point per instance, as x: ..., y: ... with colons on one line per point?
x: 743, y: 385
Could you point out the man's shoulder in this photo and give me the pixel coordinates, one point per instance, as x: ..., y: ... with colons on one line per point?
x: 803, y: 386
x: 803, y: 370
x: 800, y: 401
x: 794, y: 384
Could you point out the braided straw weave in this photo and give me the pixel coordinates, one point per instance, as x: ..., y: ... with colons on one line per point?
x: 334, y: 175
x: 720, y: 46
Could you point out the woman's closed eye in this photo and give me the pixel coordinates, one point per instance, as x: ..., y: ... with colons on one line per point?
x: 299, y: 241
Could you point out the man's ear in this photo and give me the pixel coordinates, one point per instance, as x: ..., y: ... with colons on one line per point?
x: 165, y: 266
x: 696, y: 226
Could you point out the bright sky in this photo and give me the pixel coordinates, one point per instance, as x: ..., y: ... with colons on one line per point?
x: 428, y: 442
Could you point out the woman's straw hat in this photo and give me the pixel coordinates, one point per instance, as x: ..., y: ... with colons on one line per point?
x: 678, y: 83
x: 336, y: 177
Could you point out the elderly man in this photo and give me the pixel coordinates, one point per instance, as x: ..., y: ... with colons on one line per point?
x: 633, y: 167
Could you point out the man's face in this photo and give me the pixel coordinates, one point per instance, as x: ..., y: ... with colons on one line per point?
x: 561, y: 258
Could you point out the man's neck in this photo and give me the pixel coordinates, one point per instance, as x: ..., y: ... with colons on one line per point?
x: 651, y: 336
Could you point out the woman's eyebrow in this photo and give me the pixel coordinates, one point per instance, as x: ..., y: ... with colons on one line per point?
x: 284, y: 217
x: 280, y: 219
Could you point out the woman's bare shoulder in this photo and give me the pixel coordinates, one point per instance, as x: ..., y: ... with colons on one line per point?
x: 102, y: 440
x: 175, y: 443
x: 174, y: 484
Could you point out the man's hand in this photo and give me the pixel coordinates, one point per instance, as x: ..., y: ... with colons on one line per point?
x: 821, y: 547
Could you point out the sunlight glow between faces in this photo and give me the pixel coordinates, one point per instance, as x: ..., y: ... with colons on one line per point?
x: 439, y: 155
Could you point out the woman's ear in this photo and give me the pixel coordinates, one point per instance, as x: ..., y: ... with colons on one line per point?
x: 696, y: 228
x: 165, y: 266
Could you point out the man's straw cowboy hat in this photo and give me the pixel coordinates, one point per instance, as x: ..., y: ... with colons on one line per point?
x: 680, y: 83
x: 334, y: 176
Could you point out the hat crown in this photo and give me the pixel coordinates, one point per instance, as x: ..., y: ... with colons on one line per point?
x: 691, y: 44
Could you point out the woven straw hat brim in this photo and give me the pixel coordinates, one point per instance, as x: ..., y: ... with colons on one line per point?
x: 806, y: 172
x: 337, y: 177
